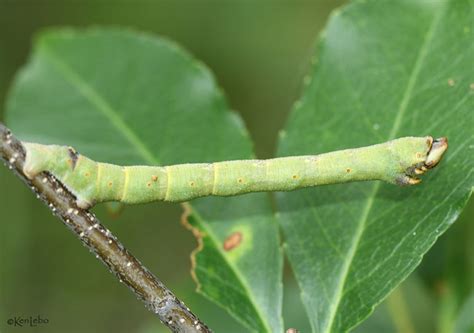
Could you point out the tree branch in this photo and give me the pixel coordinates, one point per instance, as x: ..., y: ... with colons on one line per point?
x: 100, y: 241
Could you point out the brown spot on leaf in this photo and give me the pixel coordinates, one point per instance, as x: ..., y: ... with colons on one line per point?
x: 348, y: 170
x: 451, y: 82
x: 232, y: 241
x: 240, y: 180
x: 109, y: 184
x: 148, y: 184
x: 295, y: 176
x: 154, y: 178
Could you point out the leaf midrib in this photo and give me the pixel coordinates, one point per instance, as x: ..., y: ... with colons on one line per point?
x: 100, y: 103
x: 375, y: 188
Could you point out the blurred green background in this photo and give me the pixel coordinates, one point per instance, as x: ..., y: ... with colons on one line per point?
x: 259, y: 52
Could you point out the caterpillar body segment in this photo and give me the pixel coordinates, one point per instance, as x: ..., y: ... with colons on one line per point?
x: 398, y: 161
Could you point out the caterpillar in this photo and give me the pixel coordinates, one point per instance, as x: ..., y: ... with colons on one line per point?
x: 398, y: 161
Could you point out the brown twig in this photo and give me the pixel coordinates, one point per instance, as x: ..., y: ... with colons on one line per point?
x: 100, y: 241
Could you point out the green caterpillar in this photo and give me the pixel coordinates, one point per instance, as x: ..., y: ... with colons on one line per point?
x: 398, y: 161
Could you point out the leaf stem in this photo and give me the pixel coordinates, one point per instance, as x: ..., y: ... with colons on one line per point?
x: 100, y: 241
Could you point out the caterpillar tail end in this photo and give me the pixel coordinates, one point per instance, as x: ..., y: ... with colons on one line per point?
x: 34, y: 160
x: 437, y: 148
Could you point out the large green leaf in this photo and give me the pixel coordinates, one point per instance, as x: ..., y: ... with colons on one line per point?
x: 385, y: 69
x: 130, y: 98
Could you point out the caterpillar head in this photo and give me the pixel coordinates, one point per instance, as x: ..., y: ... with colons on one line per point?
x: 434, y: 154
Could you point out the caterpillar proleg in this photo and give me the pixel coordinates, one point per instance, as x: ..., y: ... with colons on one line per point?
x: 398, y: 161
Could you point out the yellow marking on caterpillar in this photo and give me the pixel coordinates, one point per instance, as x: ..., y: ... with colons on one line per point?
x: 126, y: 182
x: 168, y: 181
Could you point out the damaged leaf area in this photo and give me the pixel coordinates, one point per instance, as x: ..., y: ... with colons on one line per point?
x: 233, y: 241
x: 226, y: 250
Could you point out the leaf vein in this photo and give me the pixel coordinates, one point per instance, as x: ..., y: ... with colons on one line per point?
x: 100, y: 104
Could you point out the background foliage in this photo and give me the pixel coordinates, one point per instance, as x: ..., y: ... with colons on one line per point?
x: 274, y: 43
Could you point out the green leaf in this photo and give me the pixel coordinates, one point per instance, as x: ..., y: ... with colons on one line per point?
x: 385, y: 69
x: 131, y: 98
